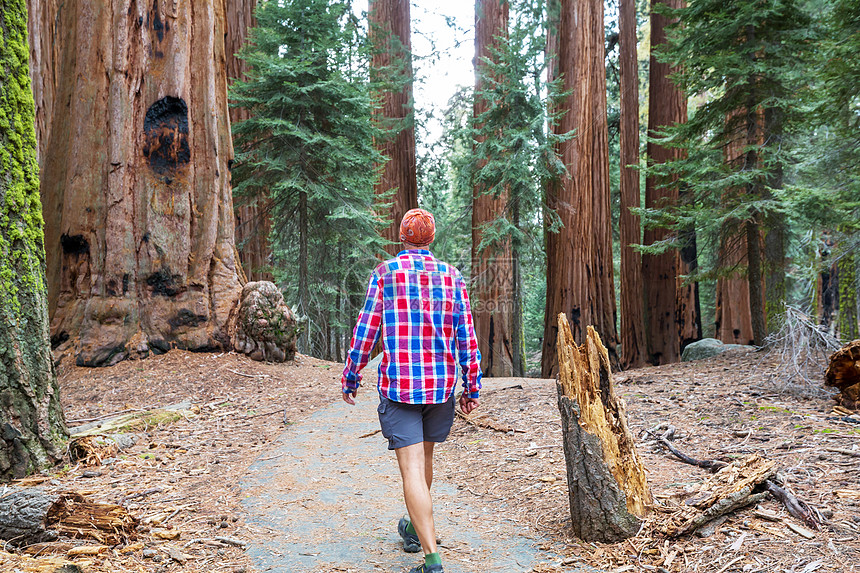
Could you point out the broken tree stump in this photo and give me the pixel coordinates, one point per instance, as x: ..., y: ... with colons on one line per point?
x: 32, y: 515
x: 607, y: 486
x: 266, y: 328
x: 843, y: 373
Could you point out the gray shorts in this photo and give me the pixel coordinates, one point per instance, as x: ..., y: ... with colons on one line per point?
x: 407, y: 424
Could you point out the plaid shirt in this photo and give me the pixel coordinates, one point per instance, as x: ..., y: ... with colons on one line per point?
x: 420, y: 308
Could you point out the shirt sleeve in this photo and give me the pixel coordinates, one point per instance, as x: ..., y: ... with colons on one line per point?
x: 467, y: 346
x: 364, y: 337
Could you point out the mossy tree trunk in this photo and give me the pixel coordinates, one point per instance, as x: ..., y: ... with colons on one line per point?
x: 140, y: 231
x: 32, y: 427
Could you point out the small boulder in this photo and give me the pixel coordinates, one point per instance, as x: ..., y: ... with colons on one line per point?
x: 708, y: 347
x: 266, y: 328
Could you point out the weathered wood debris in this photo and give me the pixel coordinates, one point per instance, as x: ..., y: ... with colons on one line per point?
x: 607, y: 487
x: 734, y: 486
x: 843, y: 373
x: 32, y: 515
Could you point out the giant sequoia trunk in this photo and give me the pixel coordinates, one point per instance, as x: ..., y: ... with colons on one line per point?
x: 253, y: 221
x: 390, y: 40
x: 633, y: 345
x: 31, y: 419
x: 579, y: 257
x: 492, y: 267
x: 667, y: 105
x: 136, y: 156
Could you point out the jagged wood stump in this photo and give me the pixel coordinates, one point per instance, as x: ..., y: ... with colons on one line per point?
x: 32, y: 515
x: 606, y: 480
x: 843, y: 373
x: 266, y: 328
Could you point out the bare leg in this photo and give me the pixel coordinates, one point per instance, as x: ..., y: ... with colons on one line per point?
x: 428, y: 462
x: 416, y: 492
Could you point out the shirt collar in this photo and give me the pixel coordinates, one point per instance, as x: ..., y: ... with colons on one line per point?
x: 414, y: 252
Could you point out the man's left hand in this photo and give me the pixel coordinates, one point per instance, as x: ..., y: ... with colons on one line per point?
x: 349, y: 397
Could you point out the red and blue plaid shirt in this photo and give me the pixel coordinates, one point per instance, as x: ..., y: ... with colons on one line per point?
x: 418, y: 305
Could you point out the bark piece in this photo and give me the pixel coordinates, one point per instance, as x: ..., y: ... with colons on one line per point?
x: 732, y: 487
x: 606, y: 480
x: 266, y: 328
x: 843, y: 373
x: 32, y: 515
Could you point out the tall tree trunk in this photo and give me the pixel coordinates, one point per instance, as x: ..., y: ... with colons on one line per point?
x: 390, y: 39
x: 32, y: 426
x: 253, y: 221
x: 633, y: 345
x: 140, y: 244
x: 667, y: 105
x: 733, y: 320
x: 492, y: 266
x: 754, y: 279
x: 687, y: 305
x: 304, y: 292
x: 848, y: 327
x: 776, y: 237
x: 579, y: 262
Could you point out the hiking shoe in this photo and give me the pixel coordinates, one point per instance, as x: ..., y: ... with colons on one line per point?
x: 411, y: 544
x: 427, y: 569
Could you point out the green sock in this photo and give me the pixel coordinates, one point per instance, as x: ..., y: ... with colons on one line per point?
x: 410, y: 529
x: 432, y: 559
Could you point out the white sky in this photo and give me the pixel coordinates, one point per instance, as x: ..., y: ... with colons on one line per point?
x: 442, y: 53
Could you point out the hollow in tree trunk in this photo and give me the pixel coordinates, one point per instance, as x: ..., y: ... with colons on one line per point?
x: 32, y: 428
x: 140, y: 243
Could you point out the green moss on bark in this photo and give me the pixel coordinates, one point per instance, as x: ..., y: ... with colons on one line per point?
x: 847, y: 325
x: 31, y: 420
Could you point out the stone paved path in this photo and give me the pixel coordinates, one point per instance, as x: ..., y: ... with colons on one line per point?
x: 333, y: 499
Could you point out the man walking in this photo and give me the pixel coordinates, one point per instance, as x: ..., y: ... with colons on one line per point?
x: 419, y: 307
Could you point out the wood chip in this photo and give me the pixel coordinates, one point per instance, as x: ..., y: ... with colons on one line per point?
x: 87, y: 550
x: 169, y: 534
x: 768, y: 515
x: 800, y: 530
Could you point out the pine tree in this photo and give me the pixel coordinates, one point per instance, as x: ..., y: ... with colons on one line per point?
x: 748, y: 58
x: 308, y: 143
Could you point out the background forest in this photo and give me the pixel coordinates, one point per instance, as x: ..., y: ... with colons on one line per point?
x: 741, y: 120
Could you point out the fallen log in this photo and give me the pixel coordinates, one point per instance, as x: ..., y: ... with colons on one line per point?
x: 607, y: 487
x: 32, y: 515
x: 843, y: 373
x: 795, y: 507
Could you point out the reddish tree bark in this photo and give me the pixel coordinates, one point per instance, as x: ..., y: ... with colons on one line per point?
x: 492, y: 267
x: 389, y: 35
x: 579, y: 258
x: 667, y: 105
x: 140, y: 244
x: 253, y: 221
x: 633, y: 344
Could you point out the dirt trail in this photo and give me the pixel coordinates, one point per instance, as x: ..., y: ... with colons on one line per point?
x: 330, y: 497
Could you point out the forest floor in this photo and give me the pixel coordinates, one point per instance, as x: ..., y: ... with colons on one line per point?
x: 184, y: 477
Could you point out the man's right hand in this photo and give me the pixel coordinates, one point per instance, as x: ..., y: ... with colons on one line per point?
x: 349, y: 397
x: 468, y: 404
